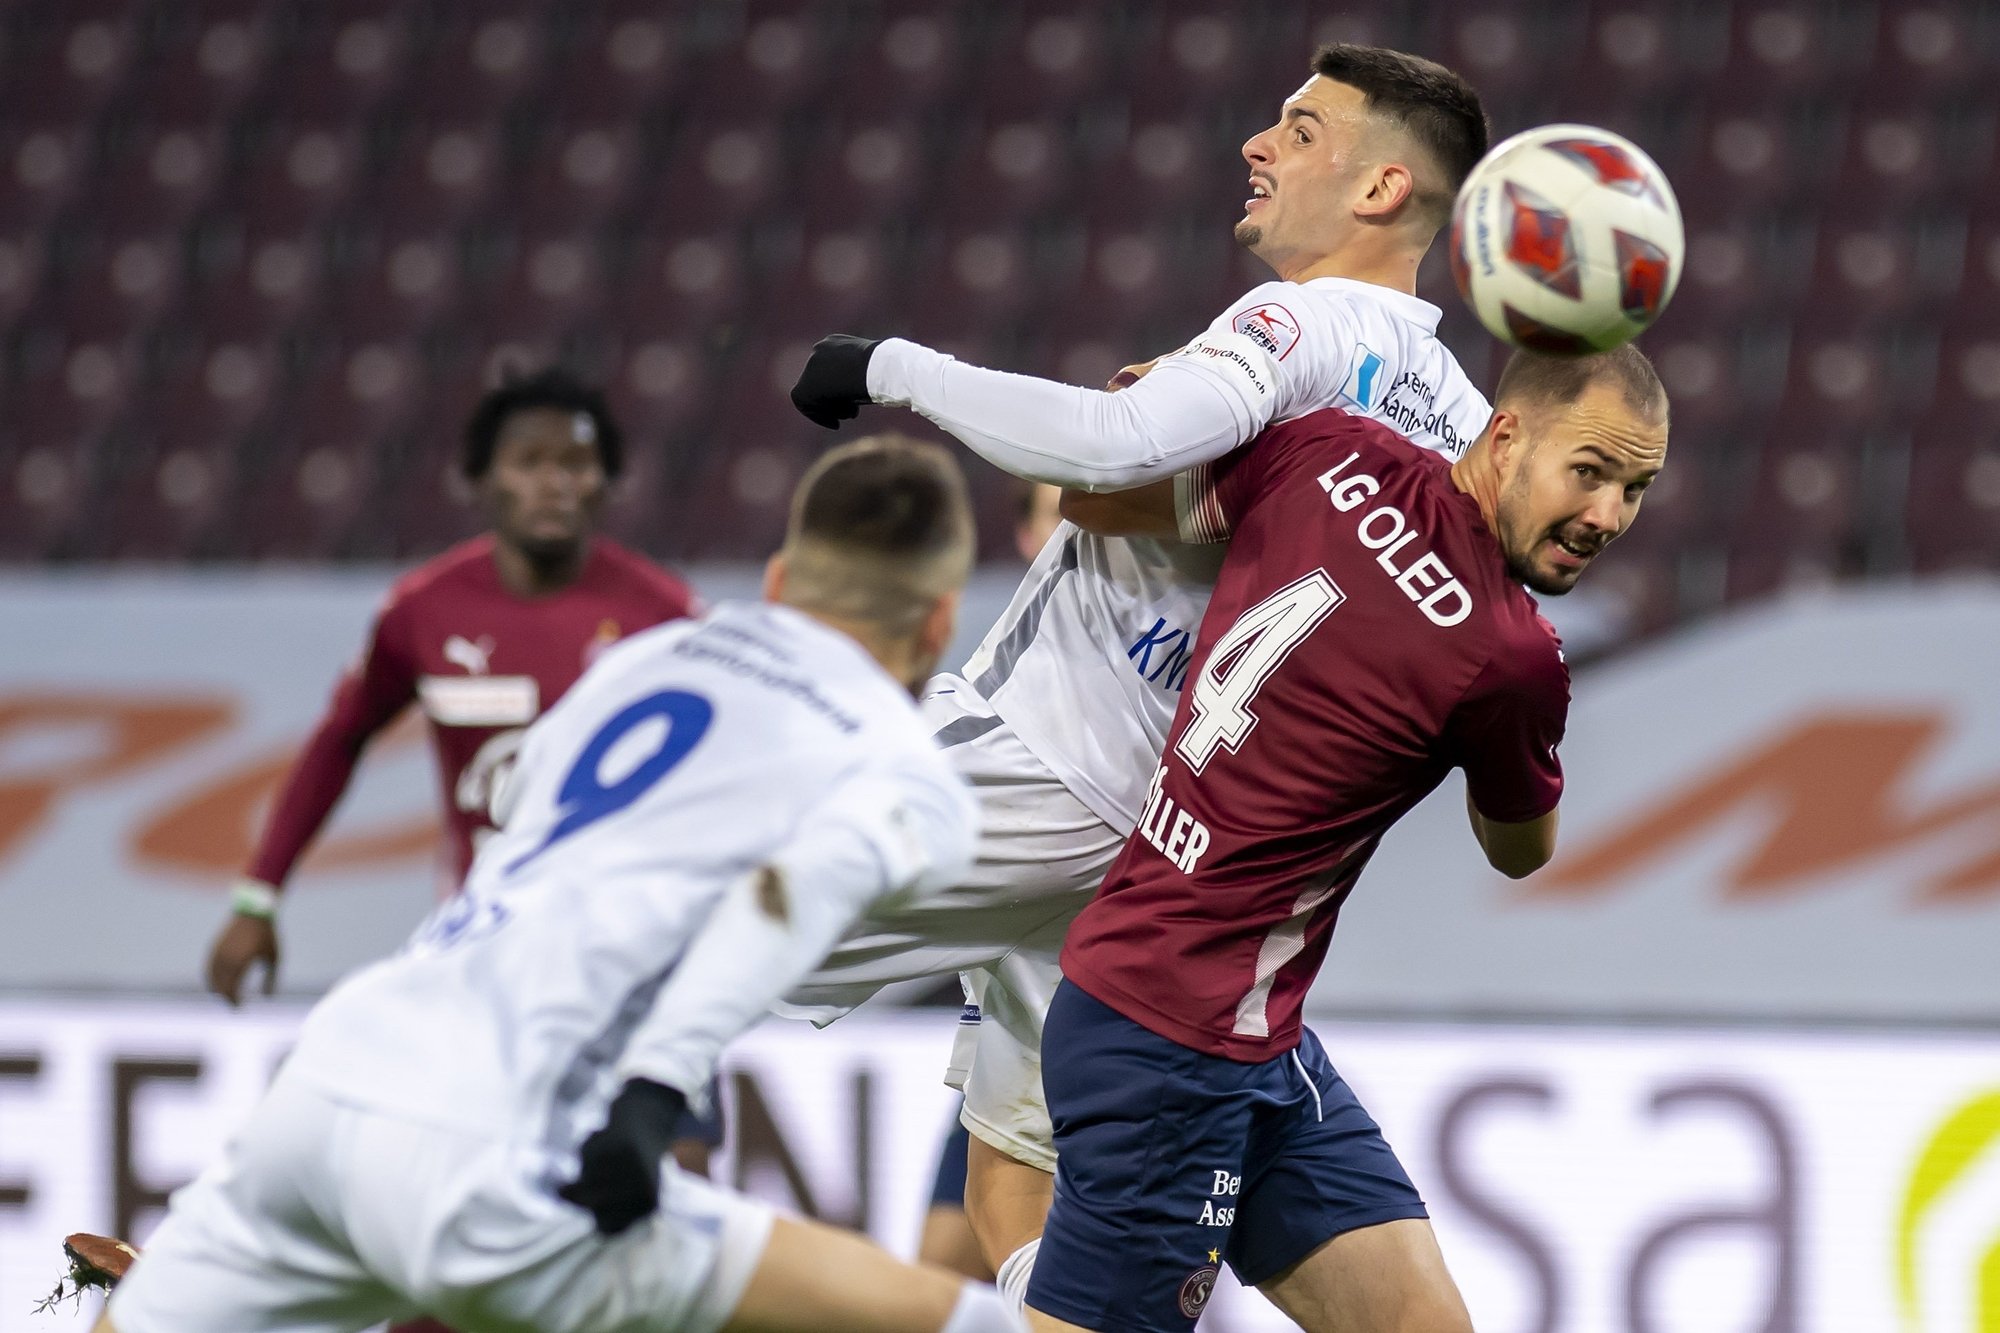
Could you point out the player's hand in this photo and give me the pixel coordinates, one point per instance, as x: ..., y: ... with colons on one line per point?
x: 1130, y: 376
x: 834, y: 385
x: 618, y: 1182
x: 244, y: 941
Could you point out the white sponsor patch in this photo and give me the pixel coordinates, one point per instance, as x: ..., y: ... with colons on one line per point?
x: 1271, y: 327
x: 479, y: 701
x: 1240, y: 356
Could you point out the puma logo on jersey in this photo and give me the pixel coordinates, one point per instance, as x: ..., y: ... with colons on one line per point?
x: 473, y: 658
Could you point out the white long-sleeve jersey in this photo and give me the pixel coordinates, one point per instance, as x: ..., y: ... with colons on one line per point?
x: 689, y: 831
x: 1087, y: 663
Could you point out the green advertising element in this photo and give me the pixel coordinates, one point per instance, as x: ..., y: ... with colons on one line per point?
x: 1953, y: 1150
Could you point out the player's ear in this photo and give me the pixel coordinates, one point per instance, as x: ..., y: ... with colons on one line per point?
x: 774, y: 577
x: 1504, y: 439
x: 934, y: 636
x: 1389, y: 186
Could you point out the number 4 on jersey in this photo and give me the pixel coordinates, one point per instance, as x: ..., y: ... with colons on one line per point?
x: 1244, y: 659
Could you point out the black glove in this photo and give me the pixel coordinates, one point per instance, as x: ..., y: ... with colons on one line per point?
x: 834, y: 385
x: 619, y: 1182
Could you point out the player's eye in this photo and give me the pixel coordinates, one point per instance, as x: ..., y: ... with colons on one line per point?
x: 1586, y: 472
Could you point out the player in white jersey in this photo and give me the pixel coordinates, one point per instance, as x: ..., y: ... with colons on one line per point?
x: 478, y: 1128
x: 1060, y: 716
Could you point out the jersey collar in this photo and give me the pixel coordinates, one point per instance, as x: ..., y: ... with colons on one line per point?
x: 1414, y: 309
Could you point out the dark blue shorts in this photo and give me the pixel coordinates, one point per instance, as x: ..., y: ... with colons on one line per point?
x: 1170, y: 1162
x: 948, y: 1188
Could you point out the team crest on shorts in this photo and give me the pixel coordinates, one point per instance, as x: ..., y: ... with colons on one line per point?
x: 1200, y: 1285
x: 1271, y: 327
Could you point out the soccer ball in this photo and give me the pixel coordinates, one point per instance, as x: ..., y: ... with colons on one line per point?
x: 1566, y: 239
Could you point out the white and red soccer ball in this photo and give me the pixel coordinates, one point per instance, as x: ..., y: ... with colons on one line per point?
x: 1567, y: 239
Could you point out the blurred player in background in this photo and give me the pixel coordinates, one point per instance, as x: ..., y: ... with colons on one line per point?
x: 1369, y: 633
x: 483, y: 639
x: 1059, y: 718
x: 479, y: 1125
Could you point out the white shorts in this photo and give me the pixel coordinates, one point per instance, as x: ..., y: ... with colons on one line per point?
x: 327, y: 1217
x: 1042, y: 855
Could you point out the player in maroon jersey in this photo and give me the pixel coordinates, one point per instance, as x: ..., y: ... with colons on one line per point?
x: 482, y: 638
x: 1369, y: 633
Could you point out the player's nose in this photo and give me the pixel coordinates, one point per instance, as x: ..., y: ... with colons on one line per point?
x: 1257, y: 148
x: 1607, y: 512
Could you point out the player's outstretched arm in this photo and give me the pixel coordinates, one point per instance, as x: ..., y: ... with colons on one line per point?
x: 899, y: 826
x: 1143, y: 511
x: 1515, y: 850
x: 1197, y: 405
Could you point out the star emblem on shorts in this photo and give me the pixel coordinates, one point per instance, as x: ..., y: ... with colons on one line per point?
x: 1215, y: 1256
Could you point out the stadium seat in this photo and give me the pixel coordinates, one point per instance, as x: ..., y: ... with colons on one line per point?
x: 976, y: 278
x: 659, y: 384
x: 1047, y: 64
x: 253, y: 285
x: 158, y: 176
x: 1632, y: 51
x: 438, y: 176
x: 24, y: 265
x: 1931, y: 49
x: 206, y: 63
x: 1736, y: 268
x: 359, y: 391
x: 1168, y: 171
x: 868, y: 173
x: 474, y: 65
x: 399, y: 284
x: 1953, y: 509
x: 716, y: 175
x: 1903, y: 155
x: 619, y: 65
x: 544, y: 286
x: 686, y: 285
x: 70, y: 69
x: 914, y: 62
x: 1782, y: 47
x: 577, y: 176
x: 834, y: 280
x: 1751, y: 156
x: 1005, y: 172
x: 1196, y: 57
x: 304, y: 495
x: 119, y: 286
x: 44, y: 164
x: 772, y: 60
x: 297, y: 175
x: 340, y: 66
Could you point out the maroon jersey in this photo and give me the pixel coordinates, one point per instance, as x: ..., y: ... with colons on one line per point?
x: 483, y: 662
x: 1363, y: 640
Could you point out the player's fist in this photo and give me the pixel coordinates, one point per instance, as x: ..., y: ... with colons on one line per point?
x: 244, y: 941
x: 834, y: 385
x: 618, y: 1180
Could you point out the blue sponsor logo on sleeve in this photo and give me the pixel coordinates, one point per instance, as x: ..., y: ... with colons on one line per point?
x: 1364, y: 381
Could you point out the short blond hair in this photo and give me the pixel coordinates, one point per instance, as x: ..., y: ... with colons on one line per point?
x: 880, y: 530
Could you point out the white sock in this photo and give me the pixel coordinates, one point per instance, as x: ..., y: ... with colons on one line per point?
x: 1015, y: 1270
x: 981, y: 1309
